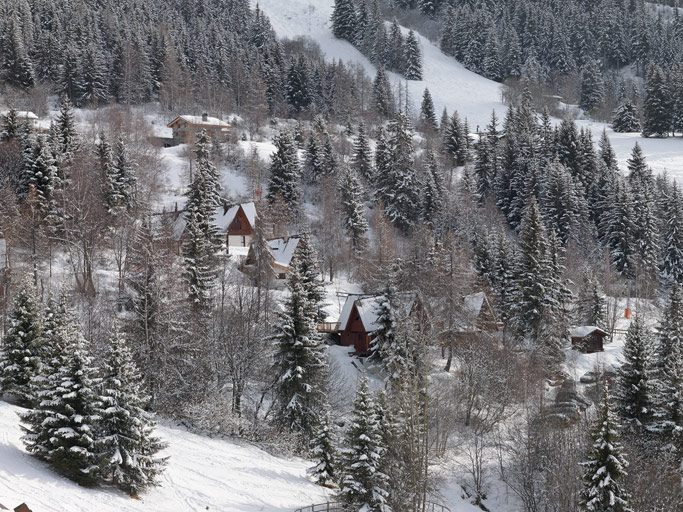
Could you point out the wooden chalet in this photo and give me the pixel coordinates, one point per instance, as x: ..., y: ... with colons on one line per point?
x: 359, y: 318
x: 185, y: 128
x: 588, y: 338
x: 234, y: 222
x: 475, y: 317
x: 284, y: 252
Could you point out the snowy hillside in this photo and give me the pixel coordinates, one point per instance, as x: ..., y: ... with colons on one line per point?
x: 202, y: 474
x: 451, y: 85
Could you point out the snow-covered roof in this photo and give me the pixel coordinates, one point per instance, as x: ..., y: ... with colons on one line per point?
x: 368, y: 308
x: 225, y: 219
x: 22, y: 114
x: 283, y: 249
x: 474, y: 303
x: 222, y: 218
x: 585, y: 330
x: 200, y: 120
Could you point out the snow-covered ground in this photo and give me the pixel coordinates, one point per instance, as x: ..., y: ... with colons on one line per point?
x: 202, y: 474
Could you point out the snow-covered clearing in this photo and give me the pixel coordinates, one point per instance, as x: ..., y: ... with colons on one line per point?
x: 202, y: 474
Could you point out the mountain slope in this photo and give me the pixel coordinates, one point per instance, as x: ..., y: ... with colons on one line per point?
x: 202, y: 474
x: 451, y: 85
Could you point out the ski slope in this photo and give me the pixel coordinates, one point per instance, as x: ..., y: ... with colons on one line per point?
x: 451, y: 85
x: 202, y: 474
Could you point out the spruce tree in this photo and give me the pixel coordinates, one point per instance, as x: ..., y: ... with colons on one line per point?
x: 298, y: 87
x: 671, y: 263
x: 300, y: 366
x: 323, y: 450
x: 626, y: 118
x: 344, y: 20
x: 313, y: 163
x: 413, y: 58
x: 657, y: 117
x: 127, y: 446
x: 361, y: 159
x: 363, y: 486
x: 427, y: 113
x: 619, y: 226
x: 434, y: 192
x: 591, y: 303
x: 119, y: 178
x: 17, y: 62
x: 634, y: 391
x: 63, y: 429
x: 43, y: 180
x: 284, y: 172
x: 384, y: 101
x: 21, y: 352
x: 67, y: 136
x: 309, y: 271
x: 592, y: 86
x: 351, y: 198
x: 454, y: 143
x: 10, y: 125
x: 605, y: 467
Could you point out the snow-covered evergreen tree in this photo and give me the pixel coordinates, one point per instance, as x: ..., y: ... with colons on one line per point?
x: 126, y: 447
x: 384, y: 101
x: 309, y: 271
x: 592, y: 86
x: 454, y: 141
x: 626, y: 118
x: 397, y: 185
x: 363, y: 486
x: 671, y: 263
x: 119, y: 178
x: 413, y: 58
x: 351, y: 198
x: 62, y: 428
x: 324, y: 453
x: 634, y: 393
x: 300, y: 365
x: 591, y: 303
x: 427, y: 113
x: 434, y: 192
x: 344, y: 20
x: 10, y: 125
x: 361, y: 159
x: 285, y: 172
x: 657, y: 117
x: 67, y: 137
x: 606, y: 466
x: 21, y: 351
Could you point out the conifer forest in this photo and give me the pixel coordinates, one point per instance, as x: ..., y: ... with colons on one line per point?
x: 341, y: 255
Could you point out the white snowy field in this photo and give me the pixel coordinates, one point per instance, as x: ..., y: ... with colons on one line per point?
x: 202, y: 474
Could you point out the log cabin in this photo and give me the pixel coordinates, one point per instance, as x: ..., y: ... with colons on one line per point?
x: 588, y: 339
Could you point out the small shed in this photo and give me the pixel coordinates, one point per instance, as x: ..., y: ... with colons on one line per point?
x: 186, y: 127
x: 588, y: 338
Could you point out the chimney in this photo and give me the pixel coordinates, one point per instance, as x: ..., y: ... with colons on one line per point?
x: 205, y: 117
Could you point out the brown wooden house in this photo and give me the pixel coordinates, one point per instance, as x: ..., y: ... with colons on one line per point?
x: 474, y: 317
x: 588, y: 339
x: 185, y: 128
x: 359, y: 320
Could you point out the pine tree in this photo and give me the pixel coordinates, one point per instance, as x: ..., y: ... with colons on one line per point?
x: 645, y: 233
x: 344, y: 20
x: 397, y: 185
x: 592, y: 86
x: 634, y: 378
x: 10, y: 125
x: 427, y: 113
x: 605, y: 467
x: 94, y: 84
x: 324, y: 452
x: 298, y: 88
x: 300, y: 366
x: 363, y: 485
x: 63, y: 429
x: 284, y: 172
x: 17, y: 63
x: 351, y: 198
x: 43, y: 179
x: 434, y: 192
x: 119, y: 178
x: 671, y: 265
x: 309, y: 271
x: 591, y: 303
x: 21, y: 352
x: 384, y: 101
x: 361, y: 160
x: 127, y: 446
x: 656, y: 108
x: 532, y: 275
x: 413, y: 58
x: 313, y: 163
x: 626, y: 118
x: 619, y: 228
x: 454, y: 143
x: 67, y: 136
